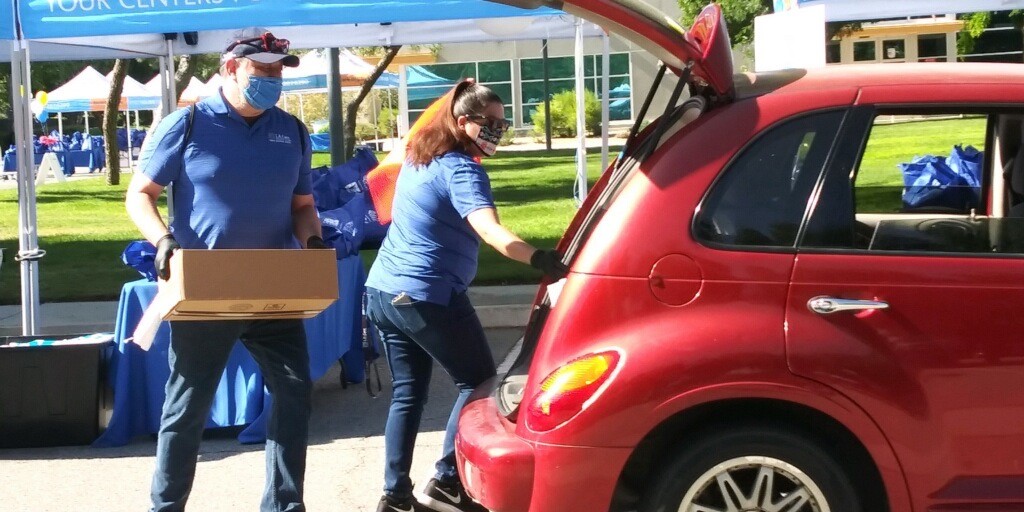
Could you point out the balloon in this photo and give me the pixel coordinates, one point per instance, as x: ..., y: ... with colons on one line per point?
x: 42, y: 97
x: 36, y: 107
x: 42, y: 115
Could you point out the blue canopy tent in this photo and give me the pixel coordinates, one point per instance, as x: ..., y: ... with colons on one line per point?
x: 85, y: 30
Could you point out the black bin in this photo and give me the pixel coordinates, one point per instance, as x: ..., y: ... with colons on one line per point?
x: 50, y: 394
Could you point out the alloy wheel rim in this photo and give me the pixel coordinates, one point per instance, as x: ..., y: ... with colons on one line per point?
x: 754, y: 484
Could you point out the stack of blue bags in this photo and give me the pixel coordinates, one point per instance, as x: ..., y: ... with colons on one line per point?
x: 953, y: 182
x: 348, y: 219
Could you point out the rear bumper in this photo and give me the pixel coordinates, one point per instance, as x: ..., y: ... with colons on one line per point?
x: 496, y: 465
x: 507, y: 474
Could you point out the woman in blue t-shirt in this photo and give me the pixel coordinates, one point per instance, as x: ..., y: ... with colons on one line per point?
x: 416, y: 290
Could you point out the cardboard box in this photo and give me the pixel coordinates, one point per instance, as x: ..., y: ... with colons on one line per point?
x: 249, y: 283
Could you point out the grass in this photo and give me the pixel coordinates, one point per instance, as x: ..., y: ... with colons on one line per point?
x: 84, y: 228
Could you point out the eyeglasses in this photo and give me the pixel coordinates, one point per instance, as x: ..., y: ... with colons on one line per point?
x: 490, y: 122
x: 264, y: 43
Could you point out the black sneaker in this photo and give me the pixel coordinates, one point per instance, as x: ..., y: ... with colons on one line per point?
x: 408, y: 505
x: 447, y: 498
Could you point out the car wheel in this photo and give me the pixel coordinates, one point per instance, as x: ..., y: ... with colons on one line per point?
x: 752, y: 469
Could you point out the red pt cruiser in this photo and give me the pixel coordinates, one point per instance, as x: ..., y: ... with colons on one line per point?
x: 796, y: 291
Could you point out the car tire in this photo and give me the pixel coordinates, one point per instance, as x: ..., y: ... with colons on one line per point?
x: 748, y: 461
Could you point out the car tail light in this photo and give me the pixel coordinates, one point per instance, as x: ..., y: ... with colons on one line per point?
x: 569, y: 389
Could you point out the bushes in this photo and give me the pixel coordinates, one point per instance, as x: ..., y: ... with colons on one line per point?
x: 563, y: 114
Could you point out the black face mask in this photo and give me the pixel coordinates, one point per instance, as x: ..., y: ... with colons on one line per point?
x: 488, y: 139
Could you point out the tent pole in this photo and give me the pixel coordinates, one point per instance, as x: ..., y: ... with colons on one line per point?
x: 547, y: 95
x: 168, y: 103
x: 128, y: 134
x: 581, y: 119
x: 403, y: 101
x: 605, y: 101
x: 28, y: 239
x: 302, y: 110
x: 60, y: 124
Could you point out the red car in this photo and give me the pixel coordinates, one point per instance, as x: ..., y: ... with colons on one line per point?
x: 796, y: 291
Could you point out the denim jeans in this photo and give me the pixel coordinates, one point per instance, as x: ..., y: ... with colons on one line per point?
x: 198, y: 354
x: 414, y: 336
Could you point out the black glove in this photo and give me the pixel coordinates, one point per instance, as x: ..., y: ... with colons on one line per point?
x: 165, y: 247
x: 549, y: 262
x: 315, y: 242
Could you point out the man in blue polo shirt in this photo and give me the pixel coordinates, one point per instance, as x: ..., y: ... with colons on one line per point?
x: 240, y: 173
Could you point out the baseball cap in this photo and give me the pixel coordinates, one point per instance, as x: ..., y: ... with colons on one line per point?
x: 260, y: 45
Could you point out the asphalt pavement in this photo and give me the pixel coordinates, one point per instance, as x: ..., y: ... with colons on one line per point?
x: 344, y: 470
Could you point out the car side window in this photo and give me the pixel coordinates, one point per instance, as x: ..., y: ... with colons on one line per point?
x: 926, y: 182
x: 760, y: 198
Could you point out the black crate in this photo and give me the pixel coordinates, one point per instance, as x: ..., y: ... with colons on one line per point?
x: 49, y: 395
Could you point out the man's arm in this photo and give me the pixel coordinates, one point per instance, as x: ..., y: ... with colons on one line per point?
x: 140, y: 201
x: 305, y: 221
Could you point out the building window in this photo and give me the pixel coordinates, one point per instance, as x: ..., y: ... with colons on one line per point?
x: 561, y: 77
x: 864, y: 51
x: 833, y: 53
x: 931, y: 48
x: 429, y: 82
x: 894, y: 50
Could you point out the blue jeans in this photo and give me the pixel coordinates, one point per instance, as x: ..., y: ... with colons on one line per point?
x: 414, y: 336
x: 198, y: 354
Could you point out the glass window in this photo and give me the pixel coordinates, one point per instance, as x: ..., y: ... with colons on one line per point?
x: 451, y: 72
x: 562, y: 78
x: 918, y: 187
x: 833, y: 53
x: 558, y: 67
x: 761, y: 198
x: 894, y: 49
x: 499, y: 71
x: 864, y: 51
x: 931, y: 47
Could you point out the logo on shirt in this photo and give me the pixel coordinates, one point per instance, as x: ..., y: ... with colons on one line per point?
x: 277, y: 137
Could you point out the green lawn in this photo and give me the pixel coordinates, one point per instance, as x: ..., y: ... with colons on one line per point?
x: 83, y: 226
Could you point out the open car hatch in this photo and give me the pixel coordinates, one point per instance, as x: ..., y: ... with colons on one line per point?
x: 706, y: 44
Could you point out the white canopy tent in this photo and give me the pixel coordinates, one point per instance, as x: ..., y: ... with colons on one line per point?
x: 63, y: 31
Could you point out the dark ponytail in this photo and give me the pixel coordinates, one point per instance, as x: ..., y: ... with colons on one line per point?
x: 442, y: 134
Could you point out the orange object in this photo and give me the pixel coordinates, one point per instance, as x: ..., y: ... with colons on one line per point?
x: 382, y: 179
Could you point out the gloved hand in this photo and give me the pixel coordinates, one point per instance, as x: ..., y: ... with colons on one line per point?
x: 165, y: 247
x: 549, y: 262
x: 315, y: 242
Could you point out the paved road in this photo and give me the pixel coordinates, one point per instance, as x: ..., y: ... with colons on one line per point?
x: 345, y: 463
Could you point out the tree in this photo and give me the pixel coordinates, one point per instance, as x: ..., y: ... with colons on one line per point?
x: 352, y: 109
x: 110, y: 123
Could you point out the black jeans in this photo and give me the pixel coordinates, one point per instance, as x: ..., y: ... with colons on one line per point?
x: 414, y: 336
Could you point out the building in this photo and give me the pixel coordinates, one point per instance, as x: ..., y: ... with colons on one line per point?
x: 514, y: 70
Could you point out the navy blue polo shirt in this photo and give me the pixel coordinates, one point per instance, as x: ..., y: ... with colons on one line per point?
x: 234, y: 187
x: 431, y: 250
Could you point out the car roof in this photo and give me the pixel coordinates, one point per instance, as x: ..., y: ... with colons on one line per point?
x: 867, y: 75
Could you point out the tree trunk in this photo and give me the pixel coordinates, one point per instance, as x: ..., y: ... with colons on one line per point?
x: 110, y: 123
x: 352, y: 109
x: 186, y: 69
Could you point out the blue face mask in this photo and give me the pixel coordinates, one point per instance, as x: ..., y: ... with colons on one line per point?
x: 263, y: 91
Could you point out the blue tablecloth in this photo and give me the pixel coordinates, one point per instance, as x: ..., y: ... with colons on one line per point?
x: 80, y: 158
x: 138, y: 377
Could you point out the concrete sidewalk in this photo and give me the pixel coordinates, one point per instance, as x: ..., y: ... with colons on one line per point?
x: 498, y: 306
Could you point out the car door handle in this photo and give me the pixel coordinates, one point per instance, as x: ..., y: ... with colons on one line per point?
x: 827, y: 305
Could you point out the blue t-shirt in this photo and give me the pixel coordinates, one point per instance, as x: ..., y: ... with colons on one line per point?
x: 234, y: 188
x: 431, y: 250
